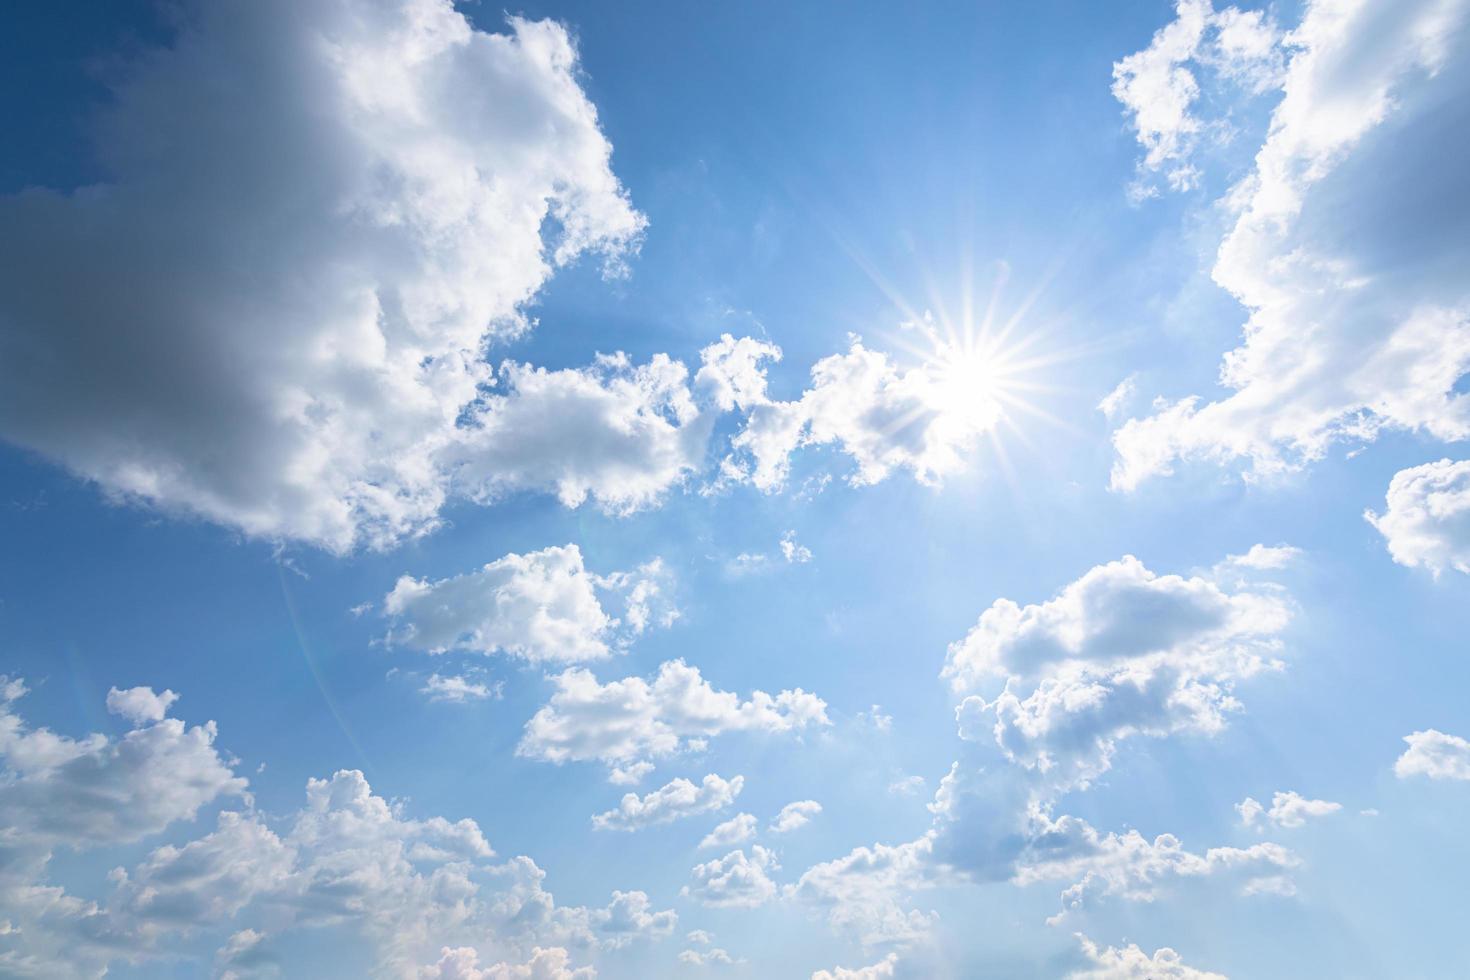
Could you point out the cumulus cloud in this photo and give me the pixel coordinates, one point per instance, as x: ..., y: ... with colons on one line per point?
x: 866, y: 892
x: 706, y: 957
x: 1427, y: 520
x: 347, y: 858
x: 463, y: 963
x: 794, y: 816
x: 737, y: 830
x: 793, y: 551
x: 676, y: 800
x: 543, y: 606
x: 1434, y: 754
x: 735, y: 880
x: 882, y: 970
x: 1131, y: 963
x: 1341, y: 252
x: 140, y: 705
x: 1158, y: 86
x: 1114, y: 401
x: 1122, y: 651
x: 272, y: 311
x: 1288, y: 809
x: 631, y: 719
x: 456, y: 689
x: 884, y: 417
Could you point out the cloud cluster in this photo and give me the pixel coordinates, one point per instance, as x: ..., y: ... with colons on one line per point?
x: 735, y: 880
x: 1288, y: 809
x: 1436, y: 755
x: 273, y: 311
x: 1427, y: 519
x: 1122, y: 651
x: 676, y: 800
x: 1359, y: 314
x: 347, y: 858
x: 542, y: 606
x: 632, y: 719
x: 463, y: 963
x: 1131, y: 963
x: 882, y: 970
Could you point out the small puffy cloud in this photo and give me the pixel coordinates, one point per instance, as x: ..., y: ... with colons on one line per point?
x: 1288, y: 809
x: 794, y: 816
x: 923, y: 419
x: 792, y: 551
x: 1427, y: 520
x: 1358, y: 314
x: 542, y: 606
x: 1434, y: 754
x: 882, y: 970
x: 706, y: 957
x: 907, y: 786
x: 457, y: 689
x: 140, y: 705
x: 1120, y: 652
x: 463, y: 963
x: 271, y: 311
x: 1264, y: 558
x: 1131, y: 963
x: 676, y: 800
x: 737, y: 830
x: 632, y: 719
x: 735, y: 880
x: 866, y: 893
x: 1114, y: 401
x: 630, y: 775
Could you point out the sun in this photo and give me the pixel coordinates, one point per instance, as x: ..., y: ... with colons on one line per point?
x: 969, y: 381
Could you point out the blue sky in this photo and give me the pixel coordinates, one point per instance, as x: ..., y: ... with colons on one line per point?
x: 302, y: 420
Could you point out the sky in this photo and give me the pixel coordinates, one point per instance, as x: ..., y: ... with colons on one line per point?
x: 750, y: 490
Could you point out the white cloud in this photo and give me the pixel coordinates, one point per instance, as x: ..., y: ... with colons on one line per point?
x: 632, y: 719
x: 907, y: 786
x: 630, y: 775
x: 1427, y: 520
x: 1159, y: 87
x: 1114, y: 401
x: 456, y: 689
x: 463, y: 963
x: 542, y: 606
x: 737, y: 830
x: 246, y: 953
x: 794, y: 816
x: 735, y: 880
x: 676, y: 800
x: 1119, y: 652
x: 792, y: 551
x: 1350, y: 268
x: 140, y: 705
x: 882, y: 970
x: 866, y: 892
x: 1264, y: 558
x: 1288, y: 809
x: 1434, y: 754
x: 882, y: 416
x: 273, y: 310
x: 1131, y: 963
x: 708, y: 957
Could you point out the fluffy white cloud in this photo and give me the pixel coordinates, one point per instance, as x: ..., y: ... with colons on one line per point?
x: 347, y: 858
x: 1119, y: 652
x: 882, y: 970
x: 1132, y: 963
x: 140, y: 705
x: 793, y: 551
x: 1288, y: 809
x: 737, y: 830
x: 923, y: 419
x: 457, y: 689
x: 735, y: 880
x: 1434, y: 754
x: 1349, y: 266
x: 866, y: 892
x: 272, y: 313
x: 629, y: 719
x: 542, y: 606
x: 463, y: 963
x: 674, y: 801
x: 707, y: 957
x: 794, y: 816
x: 1427, y: 520
x: 1158, y: 86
